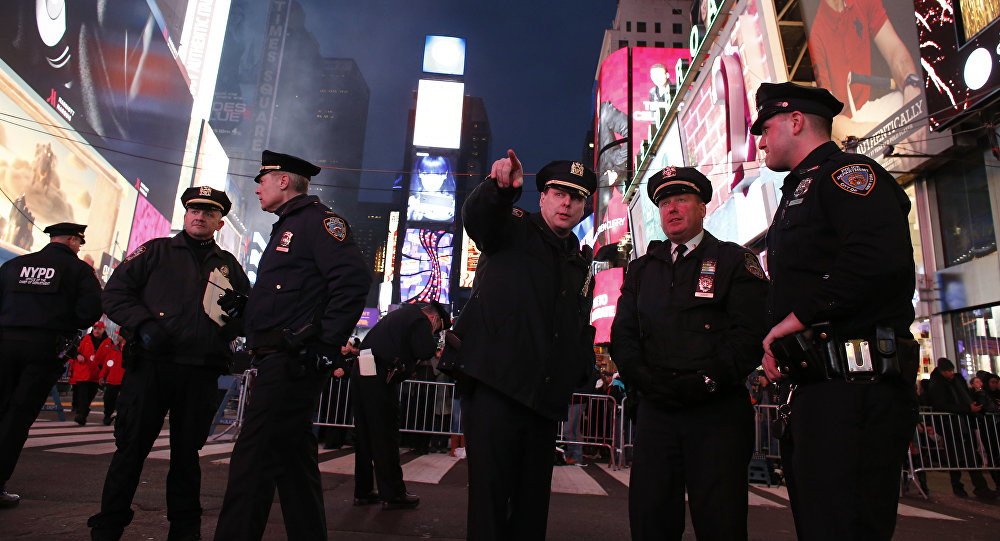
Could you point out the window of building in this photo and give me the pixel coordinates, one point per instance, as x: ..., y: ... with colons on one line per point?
x: 656, y: 27
x: 622, y: 43
x: 976, y: 336
x: 678, y: 28
x: 966, y: 217
x: 640, y: 27
x: 678, y: 11
x: 659, y: 44
x: 678, y: 45
x: 628, y: 26
x: 640, y: 44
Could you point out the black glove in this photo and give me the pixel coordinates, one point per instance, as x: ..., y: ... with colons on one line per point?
x: 232, y: 303
x: 152, y: 335
x: 327, y: 356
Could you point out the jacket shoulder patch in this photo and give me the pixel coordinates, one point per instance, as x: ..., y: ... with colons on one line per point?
x: 518, y: 213
x: 336, y: 227
x: 857, y: 178
x: 753, y: 265
x: 138, y: 251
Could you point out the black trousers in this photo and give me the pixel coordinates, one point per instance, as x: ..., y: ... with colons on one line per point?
x: 843, y: 455
x: 511, y: 451
x: 28, y: 370
x: 148, y: 392
x: 704, y: 450
x: 111, y: 393
x: 277, y: 450
x: 376, y: 427
x: 83, y: 395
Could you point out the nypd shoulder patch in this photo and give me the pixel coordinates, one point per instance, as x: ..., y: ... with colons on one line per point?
x: 336, y: 227
x: 517, y: 212
x: 858, y: 178
x: 753, y: 265
x: 134, y: 254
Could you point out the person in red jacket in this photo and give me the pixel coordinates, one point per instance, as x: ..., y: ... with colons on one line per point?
x: 112, y: 372
x: 85, y: 372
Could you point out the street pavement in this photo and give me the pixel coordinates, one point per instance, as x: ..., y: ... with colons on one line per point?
x: 61, y: 472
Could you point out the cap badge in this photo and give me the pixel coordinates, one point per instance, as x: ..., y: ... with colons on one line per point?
x: 205, y: 190
x: 669, y: 172
x: 781, y: 104
x: 576, y: 168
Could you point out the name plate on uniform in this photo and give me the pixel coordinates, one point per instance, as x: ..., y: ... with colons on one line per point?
x: 366, y: 363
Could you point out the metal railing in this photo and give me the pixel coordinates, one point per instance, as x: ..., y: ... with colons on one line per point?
x: 954, y: 442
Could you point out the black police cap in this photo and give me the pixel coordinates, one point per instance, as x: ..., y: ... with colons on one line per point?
x: 678, y: 180
x: 573, y: 177
x: 442, y: 313
x: 206, y: 196
x: 777, y: 98
x: 275, y: 161
x: 66, y: 228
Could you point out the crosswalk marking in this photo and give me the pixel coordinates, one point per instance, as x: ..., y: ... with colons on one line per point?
x: 101, y: 448
x: 343, y: 465
x: 60, y: 440
x: 428, y: 468
x: 902, y: 510
x: 73, y: 429
x: 572, y: 480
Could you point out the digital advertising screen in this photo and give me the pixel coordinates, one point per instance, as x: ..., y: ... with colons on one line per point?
x: 147, y: 224
x: 438, y: 122
x: 607, y: 289
x: 445, y: 55
x: 106, y: 69
x: 425, y: 266
x: 432, y: 188
x: 960, y: 53
x: 470, y: 261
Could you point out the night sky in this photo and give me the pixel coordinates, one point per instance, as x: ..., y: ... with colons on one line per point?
x: 532, y: 62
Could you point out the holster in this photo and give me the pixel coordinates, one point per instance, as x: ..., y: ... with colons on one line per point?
x: 815, y: 354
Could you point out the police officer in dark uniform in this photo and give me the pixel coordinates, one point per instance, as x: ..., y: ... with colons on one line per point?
x: 158, y: 294
x: 839, y: 252
x: 526, y: 342
x: 311, y: 286
x: 46, y: 297
x: 393, y: 347
x: 686, y: 334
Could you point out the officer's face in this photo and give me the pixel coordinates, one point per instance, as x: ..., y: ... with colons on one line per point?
x: 201, y: 223
x: 269, y: 191
x: 561, y: 210
x: 776, y: 139
x: 681, y: 216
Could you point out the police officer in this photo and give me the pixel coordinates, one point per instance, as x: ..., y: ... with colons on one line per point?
x: 45, y: 298
x: 158, y: 294
x: 686, y: 334
x: 395, y: 344
x: 311, y: 286
x: 838, y: 251
x: 526, y: 342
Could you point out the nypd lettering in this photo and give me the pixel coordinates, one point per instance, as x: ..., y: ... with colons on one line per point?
x: 336, y: 227
x: 135, y: 253
x: 857, y: 178
x: 36, y: 276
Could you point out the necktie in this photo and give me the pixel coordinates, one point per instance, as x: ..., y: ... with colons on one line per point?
x: 679, y: 251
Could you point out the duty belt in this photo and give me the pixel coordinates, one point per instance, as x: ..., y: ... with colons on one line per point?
x: 815, y: 355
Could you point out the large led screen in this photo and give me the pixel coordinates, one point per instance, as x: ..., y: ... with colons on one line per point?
x: 607, y: 289
x: 107, y: 70
x: 425, y: 266
x: 438, y: 122
x: 432, y: 189
x: 445, y: 55
x: 960, y: 54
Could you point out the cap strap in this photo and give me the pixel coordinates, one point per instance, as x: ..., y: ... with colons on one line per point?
x: 675, y: 182
x: 575, y: 187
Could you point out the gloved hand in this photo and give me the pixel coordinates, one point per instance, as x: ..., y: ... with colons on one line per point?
x: 152, y: 335
x: 232, y: 303
x: 329, y: 352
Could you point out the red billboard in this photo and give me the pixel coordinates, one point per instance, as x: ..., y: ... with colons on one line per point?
x: 607, y: 289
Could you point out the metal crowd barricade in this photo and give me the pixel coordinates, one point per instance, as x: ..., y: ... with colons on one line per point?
x: 766, y: 431
x: 592, y: 420
x: 242, y: 383
x: 954, y: 442
x: 626, y: 435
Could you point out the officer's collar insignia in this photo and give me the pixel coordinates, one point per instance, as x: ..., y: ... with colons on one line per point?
x: 224, y: 270
x: 135, y: 253
x: 576, y: 168
x: 286, y: 239
x: 754, y: 266
x: 802, y: 188
x: 517, y: 212
x: 205, y: 190
x: 858, y: 178
x: 336, y: 227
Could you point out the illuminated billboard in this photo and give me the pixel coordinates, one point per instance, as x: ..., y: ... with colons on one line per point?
x: 432, y: 189
x: 390, y: 247
x: 445, y: 55
x: 106, y: 69
x: 438, y: 122
x: 470, y: 261
x: 425, y: 266
x: 960, y: 53
x: 607, y: 289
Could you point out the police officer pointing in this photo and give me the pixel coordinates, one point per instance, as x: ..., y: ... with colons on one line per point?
x: 158, y: 293
x: 45, y: 298
x: 311, y: 286
x: 686, y: 334
x: 841, y: 266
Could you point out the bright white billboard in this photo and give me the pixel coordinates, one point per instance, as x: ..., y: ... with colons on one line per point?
x: 439, y: 114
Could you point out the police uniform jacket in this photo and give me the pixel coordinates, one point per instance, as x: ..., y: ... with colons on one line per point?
x: 403, y: 334
x: 162, y: 280
x: 839, y: 246
x: 310, y: 272
x: 49, y: 290
x: 666, y: 322
x: 525, y: 332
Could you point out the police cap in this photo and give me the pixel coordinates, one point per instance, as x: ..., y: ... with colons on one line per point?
x: 572, y: 177
x: 678, y: 180
x: 275, y: 161
x: 206, y: 197
x: 66, y: 228
x: 777, y: 98
x: 442, y: 313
